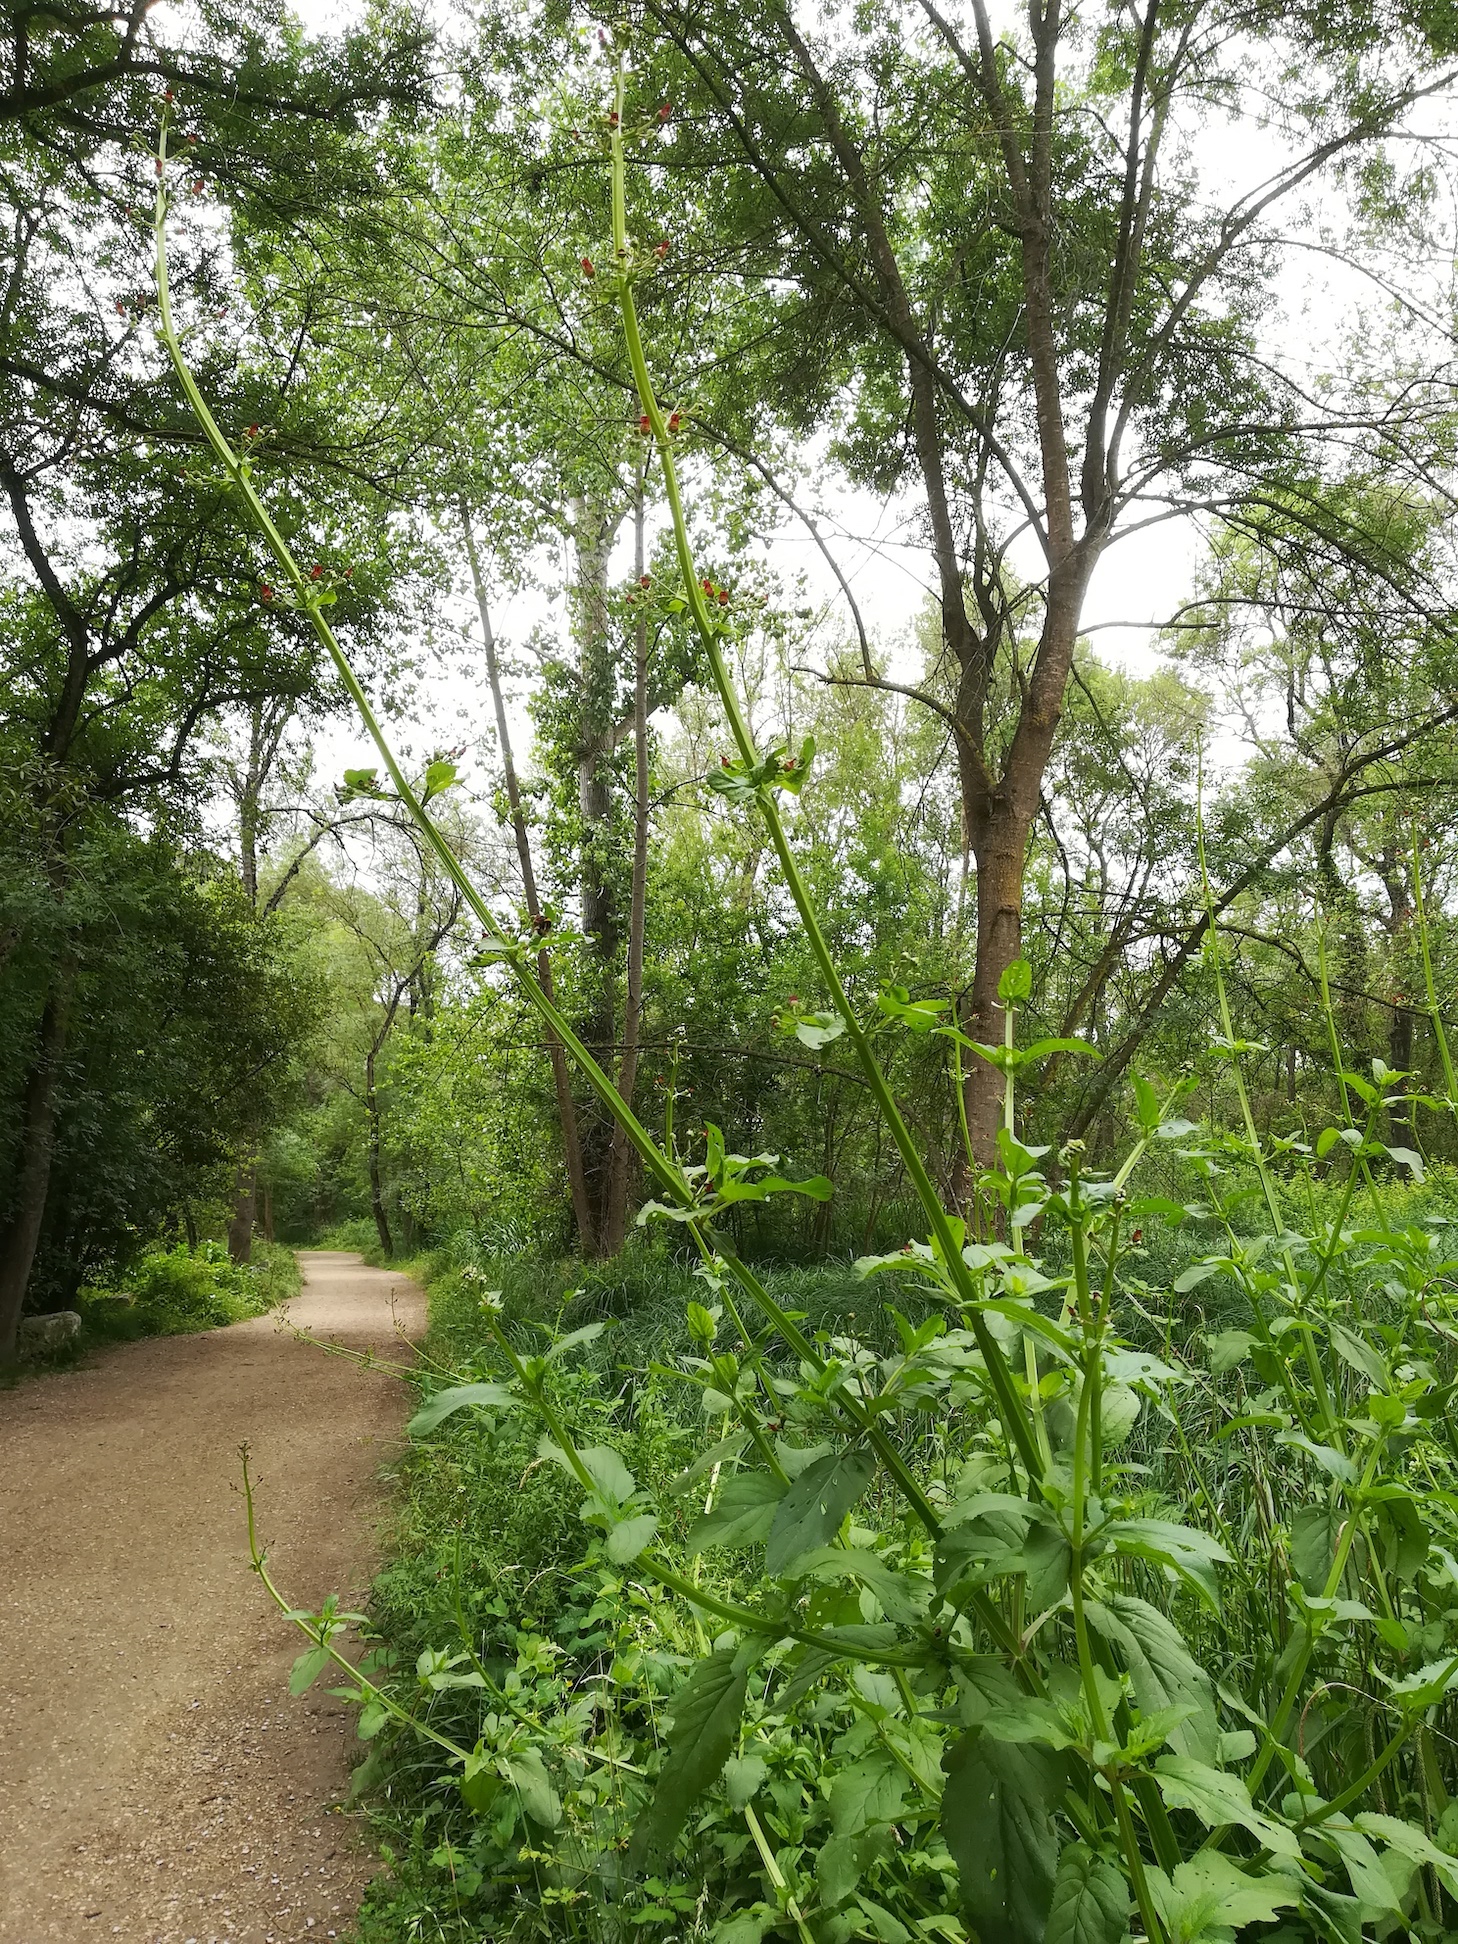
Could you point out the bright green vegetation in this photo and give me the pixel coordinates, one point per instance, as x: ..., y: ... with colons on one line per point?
x: 933, y: 1149
x: 168, y: 1292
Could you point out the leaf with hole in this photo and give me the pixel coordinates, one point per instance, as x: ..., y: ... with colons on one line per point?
x: 997, y: 1820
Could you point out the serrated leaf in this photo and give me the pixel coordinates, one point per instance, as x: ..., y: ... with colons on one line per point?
x: 1218, y: 1797
x: 871, y: 1791
x: 744, y: 1776
x: 742, y: 1512
x: 810, y: 1513
x: 1209, y: 1897
x: 706, y: 1714
x: 1090, y: 1900
x: 1163, y: 1671
x: 1229, y: 1348
x: 997, y: 1819
x: 1355, y: 1351
x: 629, y: 1538
x: 1312, y: 1544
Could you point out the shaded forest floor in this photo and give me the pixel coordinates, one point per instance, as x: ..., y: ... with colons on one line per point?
x: 156, y: 1781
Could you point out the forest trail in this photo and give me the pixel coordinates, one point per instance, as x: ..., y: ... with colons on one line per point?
x: 157, y: 1781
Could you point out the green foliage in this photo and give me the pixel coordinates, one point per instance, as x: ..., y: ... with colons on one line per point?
x: 171, y: 1292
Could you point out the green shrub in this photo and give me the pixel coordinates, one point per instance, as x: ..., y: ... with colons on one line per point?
x: 169, y: 1292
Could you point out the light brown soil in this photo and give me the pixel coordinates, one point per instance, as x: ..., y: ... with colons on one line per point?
x: 157, y: 1781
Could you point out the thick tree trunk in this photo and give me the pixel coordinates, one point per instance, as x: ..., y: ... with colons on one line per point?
x: 620, y: 1159
x: 245, y: 1206
x: 37, y: 1149
x: 561, y: 1078
x: 999, y: 854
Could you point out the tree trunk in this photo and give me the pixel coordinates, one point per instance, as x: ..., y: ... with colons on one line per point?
x: 593, y: 527
x: 268, y: 1212
x: 377, y: 1192
x: 999, y: 853
x: 561, y: 1078
x: 245, y: 1204
x: 620, y: 1159
x: 37, y: 1150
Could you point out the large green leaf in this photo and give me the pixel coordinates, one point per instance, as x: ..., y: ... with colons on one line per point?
x: 997, y: 1819
x: 1208, y: 1899
x: 811, y: 1512
x: 742, y: 1512
x: 460, y: 1397
x: 1219, y: 1797
x: 538, y: 1797
x: 902, y: 1598
x: 1314, y: 1532
x: 1090, y: 1900
x: 870, y: 1791
x: 706, y: 1714
x: 1164, y: 1672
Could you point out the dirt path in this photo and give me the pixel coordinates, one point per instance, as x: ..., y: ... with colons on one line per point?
x: 157, y: 1783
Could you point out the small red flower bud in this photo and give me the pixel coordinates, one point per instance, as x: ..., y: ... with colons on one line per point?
x: 349, y: 573
x: 192, y: 141
x: 315, y: 571
x: 708, y: 586
x: 723, y: 597
x: 253, y: 429
x: 723, y: 762
x: 612, y: 118
x: 265, y: 592
x: 794, y: 998
x: 665, y: 111
x: 601, y: 38
x: 121, y: 309
x: 675, y: 420
x: 1138, y: 1235
x: 645, y: 580
x: 660, y: 249
x: 197, y: 187
x: 587, y: 269
x: 645, y: 424
x: 167, y: 94
x: 157, y: 165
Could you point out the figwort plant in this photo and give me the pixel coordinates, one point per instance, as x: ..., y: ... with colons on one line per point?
x: 1060, y: 1622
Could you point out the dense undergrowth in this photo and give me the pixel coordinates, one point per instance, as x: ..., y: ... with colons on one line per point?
x: 170, y: 1292
x: 503, y: 1625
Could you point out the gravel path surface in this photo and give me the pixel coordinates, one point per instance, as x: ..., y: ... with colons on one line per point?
x: 157, y: 1782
